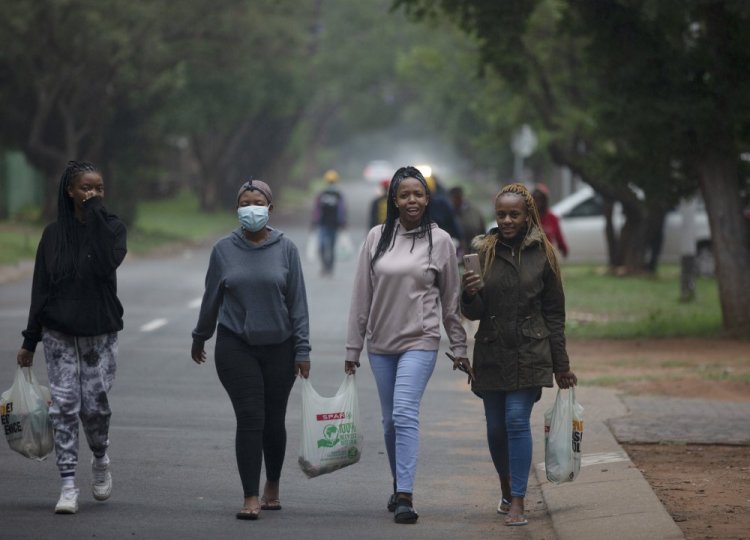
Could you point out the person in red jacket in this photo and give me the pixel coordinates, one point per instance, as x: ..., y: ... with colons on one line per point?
x: 550, y: 222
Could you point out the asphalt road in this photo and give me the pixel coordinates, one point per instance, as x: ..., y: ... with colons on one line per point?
x: 172, y: 433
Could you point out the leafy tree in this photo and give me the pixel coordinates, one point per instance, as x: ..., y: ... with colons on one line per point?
x: 244, y: 92
x: 650, y: 93
x: 72, y: 68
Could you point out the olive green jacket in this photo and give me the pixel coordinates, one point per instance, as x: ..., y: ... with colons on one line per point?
x: 521, y: 313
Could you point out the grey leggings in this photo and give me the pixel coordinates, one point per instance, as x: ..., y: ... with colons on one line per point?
x: 81, y: 371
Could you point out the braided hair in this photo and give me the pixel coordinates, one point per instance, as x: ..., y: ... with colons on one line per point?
x: 533, y: 213
x: 65, y: 252
x: 387, y: 238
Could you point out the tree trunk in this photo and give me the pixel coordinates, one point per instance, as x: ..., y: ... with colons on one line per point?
x: 632, y: 244
x: 613, y: 244
x: 730, y: 238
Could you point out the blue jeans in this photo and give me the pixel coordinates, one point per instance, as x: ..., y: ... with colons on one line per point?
x: 327, y: 237
x: 509, y: 434
x: 401, y: 380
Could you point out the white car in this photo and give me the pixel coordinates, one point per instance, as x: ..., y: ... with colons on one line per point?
x: 583, y: 226
x: 378, y: 170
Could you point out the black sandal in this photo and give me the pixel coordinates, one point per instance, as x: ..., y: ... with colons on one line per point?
x: 392, y: 503
x: 404, y: 512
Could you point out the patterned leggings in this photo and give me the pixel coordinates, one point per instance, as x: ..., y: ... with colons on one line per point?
x: 80, y: 372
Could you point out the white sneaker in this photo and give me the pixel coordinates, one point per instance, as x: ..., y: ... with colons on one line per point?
x: 101, y: 486
x: 68, y: 502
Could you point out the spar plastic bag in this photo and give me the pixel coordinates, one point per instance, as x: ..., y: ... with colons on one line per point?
x: 24, y: 412
x: 563, y: 434
x: 331, y: 433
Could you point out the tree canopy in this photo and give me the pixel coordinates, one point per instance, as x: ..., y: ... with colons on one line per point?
x: 652, y: 94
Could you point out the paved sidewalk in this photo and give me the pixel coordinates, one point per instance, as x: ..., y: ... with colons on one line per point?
x: 654, y: 419
x: 610, y: 498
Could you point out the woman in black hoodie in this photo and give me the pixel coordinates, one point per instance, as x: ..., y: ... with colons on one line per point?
x: 76, y: 314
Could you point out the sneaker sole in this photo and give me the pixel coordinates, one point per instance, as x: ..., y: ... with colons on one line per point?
x: 66, y: 510
x: 103, y: 496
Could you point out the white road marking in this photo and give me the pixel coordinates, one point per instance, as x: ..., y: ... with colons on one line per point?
x: 153, y: 325
x: 603, y: 457
x: 599, y: 458
x: 195, y: 303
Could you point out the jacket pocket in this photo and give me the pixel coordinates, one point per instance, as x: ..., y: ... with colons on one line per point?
x: 487, y: 335
x: 535, y: 328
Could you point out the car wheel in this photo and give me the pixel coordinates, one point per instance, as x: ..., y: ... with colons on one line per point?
x: 705, y: 265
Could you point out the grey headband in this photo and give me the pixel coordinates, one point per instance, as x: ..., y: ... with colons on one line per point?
x: 256, y: 185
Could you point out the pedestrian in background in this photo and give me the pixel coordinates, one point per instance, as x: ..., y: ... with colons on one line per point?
x: 329, y: 215
x: 521, y: 338
x: 549, y: 221
x: 442, y: 212
x: 76, y: 315
x: 406, y: 282
x: 256, y: 292
x: 470, y: 218
x: 379, y: 205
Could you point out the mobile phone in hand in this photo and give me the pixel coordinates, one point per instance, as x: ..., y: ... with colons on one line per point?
x: 460, y: 366
x: 471, y: 262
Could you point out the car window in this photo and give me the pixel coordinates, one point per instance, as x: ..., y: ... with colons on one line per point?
x: 592, y: 206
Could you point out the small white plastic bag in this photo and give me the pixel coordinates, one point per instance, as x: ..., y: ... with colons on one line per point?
x: 331, y: 433
x: 24, y: 413
x: 312, y: 246
x: 344, y: 246
x: 563, y: 434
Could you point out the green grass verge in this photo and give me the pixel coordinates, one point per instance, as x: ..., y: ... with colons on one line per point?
x: 158, y: 222
x: 18, y: 242
x: 176, y: 220
x: 600, y: 305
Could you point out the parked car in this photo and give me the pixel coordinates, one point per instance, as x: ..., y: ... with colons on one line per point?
x: 378, y: 170
x: 583, y: 224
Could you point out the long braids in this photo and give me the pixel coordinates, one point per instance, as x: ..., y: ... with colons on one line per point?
x: 65, y: 252
x: 533, y: 212
x: 387, y: 238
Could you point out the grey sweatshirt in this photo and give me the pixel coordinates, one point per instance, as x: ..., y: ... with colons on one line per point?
x: 399, y: 305
x: 257, y: 292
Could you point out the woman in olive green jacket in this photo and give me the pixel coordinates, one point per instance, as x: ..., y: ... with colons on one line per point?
x: 520, y: 305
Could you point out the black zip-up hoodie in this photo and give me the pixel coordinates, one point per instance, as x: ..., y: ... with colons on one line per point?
x: 84, y: 303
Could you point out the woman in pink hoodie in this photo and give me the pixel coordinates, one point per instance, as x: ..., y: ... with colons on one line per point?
x: 406, y: 282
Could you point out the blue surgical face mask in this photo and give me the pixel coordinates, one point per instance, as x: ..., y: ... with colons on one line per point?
x: 253, y: 218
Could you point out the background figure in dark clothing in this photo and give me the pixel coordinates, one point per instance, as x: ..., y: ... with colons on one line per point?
x: 442, y: 212
x: 329, y: 215
x: 469, y: 217
x: 76, y: 314
x: 379, y: 205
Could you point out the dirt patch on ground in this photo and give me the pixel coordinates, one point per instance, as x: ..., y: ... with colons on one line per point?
x: 685, y: 367
x: 706, y: 488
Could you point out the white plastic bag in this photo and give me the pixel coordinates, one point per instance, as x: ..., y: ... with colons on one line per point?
x: 312, y: 247
x: 563, y: 434
x: 344, y: 246
x: 24, y: 412
x: 331, y: 433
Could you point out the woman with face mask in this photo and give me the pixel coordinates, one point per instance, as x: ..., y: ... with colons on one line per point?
x: 255, y: 291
